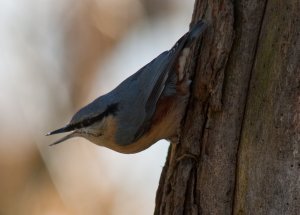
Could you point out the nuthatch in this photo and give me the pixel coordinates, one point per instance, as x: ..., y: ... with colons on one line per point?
x: 146, y: 107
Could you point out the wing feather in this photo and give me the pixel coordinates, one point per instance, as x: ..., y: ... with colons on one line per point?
x: 150, y: 82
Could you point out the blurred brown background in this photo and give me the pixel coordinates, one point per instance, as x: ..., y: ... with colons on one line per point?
x: 55, y: 57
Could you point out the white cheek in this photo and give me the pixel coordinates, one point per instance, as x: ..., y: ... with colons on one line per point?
x: 84, y: 130
x: 182, y: 62
x: 95, y: 129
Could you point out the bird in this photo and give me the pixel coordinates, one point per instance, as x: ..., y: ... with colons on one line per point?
x: 146, y: 107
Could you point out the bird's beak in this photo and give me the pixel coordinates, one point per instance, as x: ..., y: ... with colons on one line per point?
x: 73, y: 134
x: 62, y: 130
x: 67, y: 128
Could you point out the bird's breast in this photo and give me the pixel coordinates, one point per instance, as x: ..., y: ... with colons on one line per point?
x: 164, y: 124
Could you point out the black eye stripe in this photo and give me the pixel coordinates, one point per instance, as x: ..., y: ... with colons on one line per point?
x: 110, y: 110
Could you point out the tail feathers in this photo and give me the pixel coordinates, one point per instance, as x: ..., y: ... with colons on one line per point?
x: 196, y: 30
x: 187, y: 39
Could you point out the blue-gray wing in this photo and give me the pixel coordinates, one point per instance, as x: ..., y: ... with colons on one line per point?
x: 147, y: 86
x: 139, y: 94
x: 160, y: 70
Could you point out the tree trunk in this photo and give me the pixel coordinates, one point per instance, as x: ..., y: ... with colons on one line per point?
x: 240, y: 139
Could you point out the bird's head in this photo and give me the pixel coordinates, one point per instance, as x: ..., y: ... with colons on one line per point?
x: 94, y: 122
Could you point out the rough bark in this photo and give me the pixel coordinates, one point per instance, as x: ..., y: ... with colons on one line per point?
x: 239, y: 145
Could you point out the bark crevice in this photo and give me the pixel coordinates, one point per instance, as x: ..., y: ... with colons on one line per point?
x: 246, y: 98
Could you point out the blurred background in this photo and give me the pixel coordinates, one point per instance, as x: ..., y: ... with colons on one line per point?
x: 56, y: 56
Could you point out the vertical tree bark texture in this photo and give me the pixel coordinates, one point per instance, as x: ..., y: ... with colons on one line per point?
x: 268, y: 178
x: 240, y: 138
